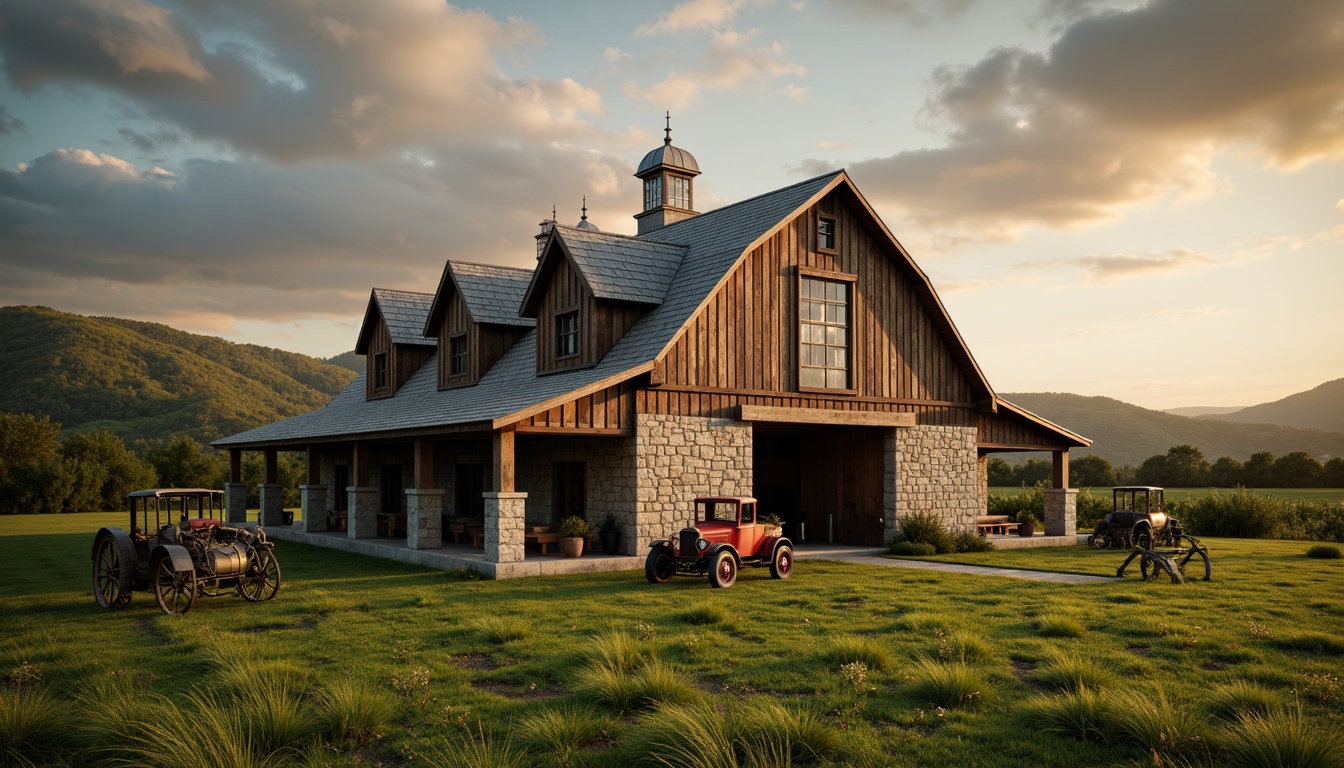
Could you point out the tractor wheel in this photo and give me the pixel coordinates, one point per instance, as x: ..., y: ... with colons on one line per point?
x: 782, y: 566
x: 113, y: 572
x: 261, y: 580
x: 723, y: 570
x: 1191, y: 555
x: 1143, y: 538
x: 660, y: 566
x: 174, y: 590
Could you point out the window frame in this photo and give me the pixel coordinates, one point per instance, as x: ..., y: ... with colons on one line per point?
x: 670, y: 194
x: 653, y: 192
x: 382, y: 370
x: 850, y: 282
x: 455, y: 355
x: 822, y: 220
x: 562, y: 334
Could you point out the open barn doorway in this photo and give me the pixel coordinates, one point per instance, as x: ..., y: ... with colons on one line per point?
x: 829, y: 479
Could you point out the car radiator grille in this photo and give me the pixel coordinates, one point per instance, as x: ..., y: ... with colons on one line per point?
x: 688, y: 538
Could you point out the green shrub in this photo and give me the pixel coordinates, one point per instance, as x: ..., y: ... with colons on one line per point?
x: 1258, y: 741
x: 871, y: 653
x: 1237, y: 514
x: 911, y: 548
x: 967, y: 541
x: 926, y: 528
x: 574, y: 527
x: 1324, y: 552
x: 1237, y: 699
x: 33, y: 724
x: 948, y: 685
x: 1081, y: 713
x: 1092, y: 506
x: 1072, y: 672
x: 349, y: 711
x: 1027, y: 500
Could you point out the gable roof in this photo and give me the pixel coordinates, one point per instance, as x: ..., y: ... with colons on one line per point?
x: 492, y: 293
x: 1014, y: 410
x: 618, y: 267
x: 403, y: 311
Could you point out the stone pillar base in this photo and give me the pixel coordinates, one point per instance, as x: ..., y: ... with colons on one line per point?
x: 1061, y: 511
x: 424, y: 518
x: 505, y: 523
x: 272, y: 504
x: 363, y: 512
x: 235, y: 502
x: 314, y: 508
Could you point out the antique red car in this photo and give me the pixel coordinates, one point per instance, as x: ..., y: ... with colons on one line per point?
x: 727, y: 536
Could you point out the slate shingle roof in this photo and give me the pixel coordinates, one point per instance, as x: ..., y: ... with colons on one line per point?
x: 493, y: 294
x: 712, y: 244
x: 623, y: 267
x: 405, y: 313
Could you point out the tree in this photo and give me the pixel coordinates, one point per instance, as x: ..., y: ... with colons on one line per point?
x: 104, y: 471
x: 1000, y: 473
x: 1034, y: 471
x: 1298, y: 469
x: 1226, y: 472
x: 1153, y: 471
x: 1186, y: 467
x: 32, y: 478
x: 1333, y: 476
x: 1091, y: 471
x: 1259, y: 470
x: 184, y: 463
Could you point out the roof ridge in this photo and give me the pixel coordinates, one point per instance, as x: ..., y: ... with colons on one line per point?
x: 464, y: 263
x: 753, y: 198
x: 401, y: 290
x: 636, y: 238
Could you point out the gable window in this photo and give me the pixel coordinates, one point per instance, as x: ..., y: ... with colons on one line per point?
x: 380, y: 371
x: 567, y: 334
x: 823, y: 349
x: 826, y: 233
x: 653, y: 193
x: 457, y: 355
x: 679, y: 192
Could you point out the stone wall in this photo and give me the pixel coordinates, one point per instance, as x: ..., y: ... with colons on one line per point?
x: 682, y: 457
x: 933, y: 469
x: 609, y: 480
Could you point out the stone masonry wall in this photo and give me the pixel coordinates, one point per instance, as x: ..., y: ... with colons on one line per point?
x: 933, y: 469
x: 609, y: 480
x: 681, y: 457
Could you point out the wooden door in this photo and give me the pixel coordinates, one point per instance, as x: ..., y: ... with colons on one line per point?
x: 568, y: 491
x: 470, y: 484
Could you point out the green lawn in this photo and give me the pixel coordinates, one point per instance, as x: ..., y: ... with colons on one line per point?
x: 493, y: 654
x: 1332, y: 495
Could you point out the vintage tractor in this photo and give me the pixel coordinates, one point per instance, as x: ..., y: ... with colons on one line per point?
x: 1138, y: 519
x: 179, y: 561
x: 726, y: 537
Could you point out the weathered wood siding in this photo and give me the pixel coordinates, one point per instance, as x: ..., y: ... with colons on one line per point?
x: 456, y: 321
x: 607, y: 411
x: 564, y: 293
x: 379, y: 341
x: 1007, y: 430
x: 744, y: 342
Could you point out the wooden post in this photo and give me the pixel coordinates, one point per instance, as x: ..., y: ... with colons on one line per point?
x: 1060, y: 471
x: 235, y: 465
x: 359, y: 464
x: 502, y: 471
x: 272, y: 472
x: 424, y: 462
x: 314, y: 465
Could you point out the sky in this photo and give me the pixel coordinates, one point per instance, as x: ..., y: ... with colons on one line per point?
x: 1138, y: 200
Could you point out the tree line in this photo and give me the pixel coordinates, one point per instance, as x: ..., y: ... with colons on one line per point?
x: 94, y: 471
x: 1182, y: 466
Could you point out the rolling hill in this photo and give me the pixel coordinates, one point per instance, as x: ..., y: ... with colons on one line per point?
x: 1318, y: 408
x: 145, y: 381
x: 1128, y: 434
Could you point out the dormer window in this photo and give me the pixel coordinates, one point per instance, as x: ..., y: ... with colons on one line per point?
x: 567, y: 334
x: 380, y: 371
x: 653, y: 193
x: 457, y: 355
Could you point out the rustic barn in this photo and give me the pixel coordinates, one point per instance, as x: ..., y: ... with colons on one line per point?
x: 785, y: 347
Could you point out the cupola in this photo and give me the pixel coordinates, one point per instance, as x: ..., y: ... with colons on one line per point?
x: 546, y: 226
x: 584, y: 223
x: 668, y: 173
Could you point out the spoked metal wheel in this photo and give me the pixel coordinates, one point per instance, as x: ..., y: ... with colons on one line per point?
x: 174, y: 590
x: 113, y: 573
x: 782, y: 566
x: 261, y: 580
x: 723, y: 571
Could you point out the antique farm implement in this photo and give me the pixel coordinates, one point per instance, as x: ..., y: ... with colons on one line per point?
x: 1139, y: 520
x: 180, y: 561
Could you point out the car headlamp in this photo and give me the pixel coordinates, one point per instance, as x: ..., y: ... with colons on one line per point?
x: 701, y: 544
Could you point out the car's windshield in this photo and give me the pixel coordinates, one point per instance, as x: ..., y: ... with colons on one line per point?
x: 724, y: 512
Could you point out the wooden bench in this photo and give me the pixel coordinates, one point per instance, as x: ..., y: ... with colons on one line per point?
x: 390, y: 524
x: 337, y: 521
x: 468, y: 528
x: 542, y: 539
x: 994, y: 524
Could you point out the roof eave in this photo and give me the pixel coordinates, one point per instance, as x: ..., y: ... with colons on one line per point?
x: 1078, y: 440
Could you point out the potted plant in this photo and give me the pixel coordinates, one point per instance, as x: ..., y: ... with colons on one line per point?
x: 573, y: 529
x: 773, y: 525
x: 610, y: 535
x: 1026, y: 523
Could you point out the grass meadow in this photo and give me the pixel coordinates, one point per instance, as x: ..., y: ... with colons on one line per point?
x: 365, y: 662
x: 1311, y: 495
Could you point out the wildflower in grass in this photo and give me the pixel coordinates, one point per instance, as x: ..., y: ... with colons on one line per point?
x: 1259, y: 631
x: 646, y: 631
x: 1321, y: 687
x: 410, y: 683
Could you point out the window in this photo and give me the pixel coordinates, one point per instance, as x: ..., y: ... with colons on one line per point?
x: 826, y: 233
x: 679, y: 192
x: 653, y: 193
x: 748, y: 514
x: 823, y: 308
x: 457, y: 355
x: 567, y: 334
x: 380, y: 371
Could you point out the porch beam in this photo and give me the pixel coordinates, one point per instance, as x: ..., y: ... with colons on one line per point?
x: 824, y: 416
x: 502, y: 468
x: 1059, y: 472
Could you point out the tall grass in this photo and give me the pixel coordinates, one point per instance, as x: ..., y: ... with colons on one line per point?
x: 498, y: 630
x: 767, y: 720
x: 1080, y: 712
x: 476, y: 750
x: 948, y: 685
x: 1157, y: 725
x: 622, y: 675
x: 760, y: 733
x: 561, y: 732
x: 349, y: 711
x: 1072, y: 672
x: 1284, y: 740
x: 850, y: 648
x: 33, y: 725
x: 1239, y: 698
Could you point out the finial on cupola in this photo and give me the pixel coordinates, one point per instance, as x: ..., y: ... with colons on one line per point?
x: 667, y: 138
x: 546, y: 226
x: 584, y: 223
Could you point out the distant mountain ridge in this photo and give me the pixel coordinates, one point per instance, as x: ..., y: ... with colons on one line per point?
x: 1195, y: 411
x: 1318, y: 408
x: 145, y: 381
x: 1127, y: 434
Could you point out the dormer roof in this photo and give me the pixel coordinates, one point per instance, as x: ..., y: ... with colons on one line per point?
x: 403, y: 311
x: 615, y: 267
x: 492, y: 294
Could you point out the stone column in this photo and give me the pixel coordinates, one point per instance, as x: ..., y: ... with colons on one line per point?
x: 505, y: 521
x: 1061, y: 511
x: 363, y: 512
x: 272, y: 507
x: 235, y: 501
x: 314, y: 507
x: 424, y: 524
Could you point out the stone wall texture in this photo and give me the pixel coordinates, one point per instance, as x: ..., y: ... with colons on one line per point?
x: 609, y: 480
x: 681, y: 457
x: 935, y: 470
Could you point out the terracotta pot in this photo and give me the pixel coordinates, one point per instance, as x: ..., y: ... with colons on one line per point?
x: 1026, y: 529
x: 571, y: 547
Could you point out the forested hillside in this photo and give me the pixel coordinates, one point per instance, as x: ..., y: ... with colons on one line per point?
x: 1128, y: 434
x: 145, y: 381
x: 1318, y: 408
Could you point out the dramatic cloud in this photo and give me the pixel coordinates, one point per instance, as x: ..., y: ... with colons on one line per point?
x: 915, y: 12
x: 296, y: 81
x: 9, y: 123
x: 730, y: 63
x: 697, y: 16
x: 1125, y: 108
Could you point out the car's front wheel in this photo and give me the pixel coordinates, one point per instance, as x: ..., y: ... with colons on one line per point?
x: 782, y: 566
x: 660, y: 566
x: 723, y: 570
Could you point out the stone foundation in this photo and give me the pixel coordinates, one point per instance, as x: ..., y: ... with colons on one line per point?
x: 314, y: 507
x: 235, y: 502
x: 933, y: 470
x: 681, y: 457
x: 424, y: 523
x: 363, y: 519
x: 1061, y: 511
x: 505, y: 519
